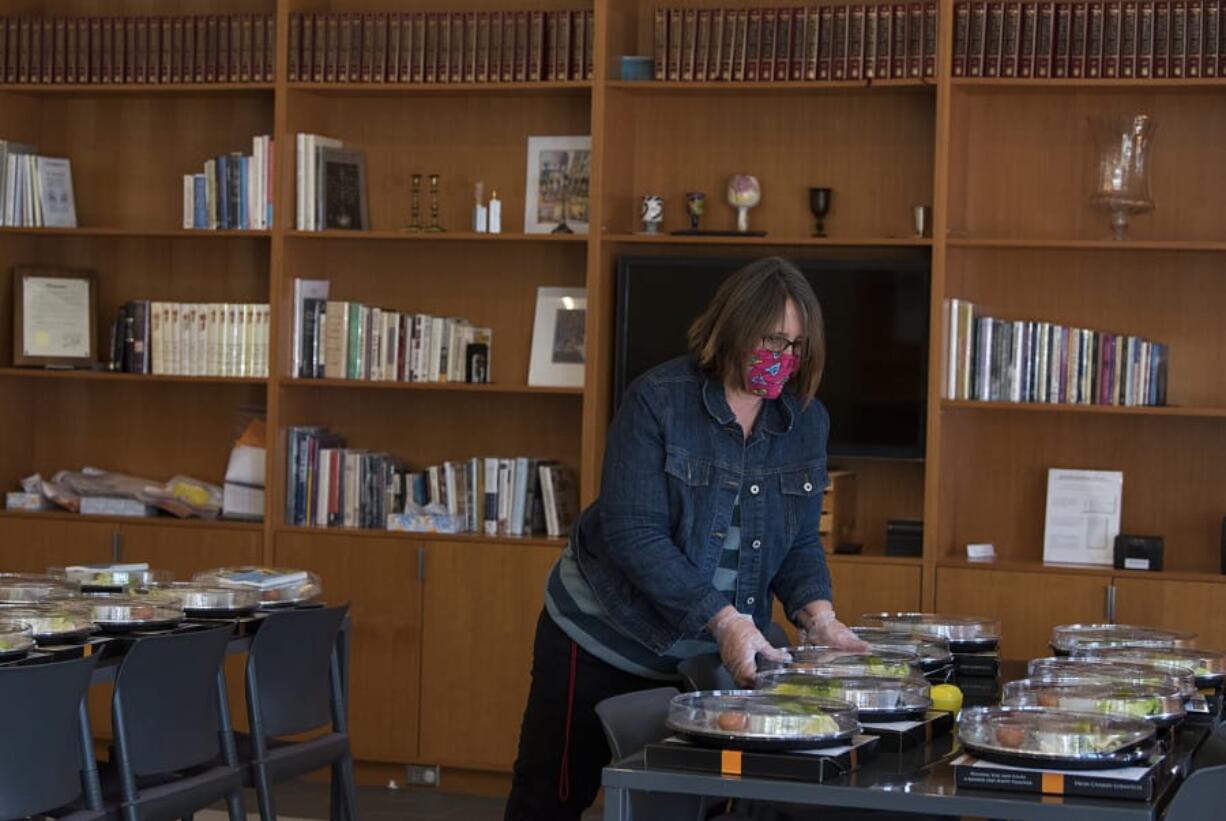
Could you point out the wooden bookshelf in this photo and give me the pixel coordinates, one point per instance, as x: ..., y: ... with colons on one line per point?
x: 1003, y: 161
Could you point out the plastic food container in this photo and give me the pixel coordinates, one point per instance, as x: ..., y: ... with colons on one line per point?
x: 111, y: 578
x: 123, y: 614
x: 965, y: 634
x: 876, y: 699
x: 1209, y: 666
x: 1037, y: 737
x: 1162, y: 705
x: 1104, y: 670
x: 276, y: 586
x: 16, y: 639
x: 52, y: 622
x: 32, y: 591
x: 761, y: 720
x: 816, y: 660
x: 203, y: 601
x: 933, y: 652
x: 1068, y: 639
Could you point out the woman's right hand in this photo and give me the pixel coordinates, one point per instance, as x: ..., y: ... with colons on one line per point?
x: 740, y: 642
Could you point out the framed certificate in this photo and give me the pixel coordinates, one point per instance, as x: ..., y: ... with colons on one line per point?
x: 54, y: 312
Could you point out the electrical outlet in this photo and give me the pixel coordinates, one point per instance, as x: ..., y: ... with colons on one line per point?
x: 417, y: 775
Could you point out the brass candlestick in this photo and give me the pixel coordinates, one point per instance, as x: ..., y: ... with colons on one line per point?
x: 415, y: 206
x: 434, y: 226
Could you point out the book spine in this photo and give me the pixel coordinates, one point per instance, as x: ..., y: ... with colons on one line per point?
x: 1112, y: 21
x: 769, y: 45
x: 1077, y: 41
x: 1095, y: 40
x: 977, y: 39
x: 857, y: 19
x: 753, y: 43
x: 1129, y: 39
x: 899, y: 42
x: 838, y: 68
x: 1178, y: 39
x: 1211, y: 40
x: 992, y: 42
x: 1064, y: 25
x: 1011, y: 40
x: 689, y: 44
x: 702, y: 51
x: 784, y: 35
x: 1162, y: 39
x: 1145, y: 39
x: 962, y: 21
x: 458, y: 23
x: 1194, y: 39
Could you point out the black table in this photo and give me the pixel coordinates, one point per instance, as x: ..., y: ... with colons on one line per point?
x: 920, y: 780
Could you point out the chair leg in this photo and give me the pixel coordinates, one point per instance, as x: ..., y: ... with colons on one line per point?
x: 234, y: 803
x: 350, y: 791
x: 336, y: 813
x: 263, y: 791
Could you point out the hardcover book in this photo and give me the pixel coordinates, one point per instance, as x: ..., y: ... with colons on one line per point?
x: 962, y: 27
x: 1077, y: 41
x: 1112, y: 22
x: 992, y: 42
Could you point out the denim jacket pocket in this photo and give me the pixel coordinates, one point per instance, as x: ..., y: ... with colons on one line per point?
x: 800, y: 487
x: 687, y: 469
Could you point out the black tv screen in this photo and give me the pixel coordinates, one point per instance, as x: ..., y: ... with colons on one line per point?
x: 876, y: 314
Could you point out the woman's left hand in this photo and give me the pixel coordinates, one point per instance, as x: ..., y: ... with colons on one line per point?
x: 822, y: 628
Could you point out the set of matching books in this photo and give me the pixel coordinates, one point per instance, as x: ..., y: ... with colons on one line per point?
x: 1089, y: 39
x: 845, y: 42
x: 233, y: 192
x: 331, y: 485
x: 348, y: 340
x: 37, y: 190
x: 331, y: 185
x: 212, y: 48
x: 191, y: 339
x: 442, y: 47
x: 1002, y: 360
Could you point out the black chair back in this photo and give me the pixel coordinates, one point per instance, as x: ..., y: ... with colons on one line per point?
x: 40, y: 746
x: 705, y: 672
x: 165, y: 702
x: 631, y: 721
x: 292, y: 672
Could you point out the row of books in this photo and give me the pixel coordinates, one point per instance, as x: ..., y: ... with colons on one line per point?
x: 233, y: 192
x: 348, y: 340
x: 1003, y: 360
x: 37, y: 191
x: 330, y: 185
x: 212, y: 48
x: 331, y: 485
x: 442, y: 47
x: 191, y: 339
x: 1089, y: 39
x: 844, y: 42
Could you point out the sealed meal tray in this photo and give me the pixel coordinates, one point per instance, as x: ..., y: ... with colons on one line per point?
x: 1067, y: 639
x: 1107, y: 670
x: 1162, y: 705
x: 113, y: 578
x: 818, y: 660
x: 1057, y: 739
x: 276, y: 586
x: 933, y: 652
x: 53, y: 622
x: 1209, y: 666
x: 120, y: 614
x: 16, y: 639
x: 201, y: 601
x: 965, y: 634
x: 31, y: 591
x: 761, y: 720
x: 876, y: 699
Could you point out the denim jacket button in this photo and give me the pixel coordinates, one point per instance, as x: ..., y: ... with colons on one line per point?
x: 808, y: 487
x: 749, y: 601
x: 754, y: 489
x: 757, y: 543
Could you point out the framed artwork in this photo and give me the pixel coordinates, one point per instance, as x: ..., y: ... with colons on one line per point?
x: 342, y: 189
x: 559, y: 338
x: 53, y: 317
x: 559, y: 170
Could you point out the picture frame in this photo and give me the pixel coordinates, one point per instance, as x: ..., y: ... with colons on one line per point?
x: 558, y: 184
x: 343, y: 190
x: 54, y: 317
x: 559, y: 338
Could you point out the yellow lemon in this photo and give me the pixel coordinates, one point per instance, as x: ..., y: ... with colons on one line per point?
x: 947, y: 697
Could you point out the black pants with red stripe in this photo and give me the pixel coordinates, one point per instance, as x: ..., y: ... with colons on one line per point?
x: 562, y: 747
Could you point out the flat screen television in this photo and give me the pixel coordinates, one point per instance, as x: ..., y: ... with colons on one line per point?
x: 876, y: 315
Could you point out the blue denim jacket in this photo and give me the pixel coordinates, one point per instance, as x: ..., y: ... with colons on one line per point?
x: 675, y: 461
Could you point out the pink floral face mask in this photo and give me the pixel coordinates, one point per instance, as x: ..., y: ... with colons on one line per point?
x: 768, y: 372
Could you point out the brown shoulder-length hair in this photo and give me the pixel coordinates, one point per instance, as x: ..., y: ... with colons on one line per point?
x: 747, y: 307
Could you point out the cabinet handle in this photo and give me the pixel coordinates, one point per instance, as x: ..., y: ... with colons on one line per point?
x: 117, y: 546
x: 1111, y: 603
x: 421, y: 563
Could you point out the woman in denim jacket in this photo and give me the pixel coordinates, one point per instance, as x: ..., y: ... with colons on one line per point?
x: 711, y: 493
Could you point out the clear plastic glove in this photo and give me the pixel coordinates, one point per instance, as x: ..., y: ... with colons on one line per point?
x: 824, y: 629
x: 740, y: 642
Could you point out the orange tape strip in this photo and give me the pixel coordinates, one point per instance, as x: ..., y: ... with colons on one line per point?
x: 1053, y: 783
x: 730, y: 762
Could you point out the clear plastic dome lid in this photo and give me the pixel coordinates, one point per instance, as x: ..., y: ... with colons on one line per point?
x: 31, y: 591
x: 931, y: 649
x: 276, y: 586
x: 1106, y: 670
x: 1161, y: 704
x: 818, y: 660
x: 761, y: 715
x: 51, y: 620
x: 196, y: 597
x: 868, y: 694
x: 111, y: 612
x: 1069, y: 638
x: 112, y: 576
x: 16, y: 638
x: 954, y: 629
x: 1209, y: 666
x: 1051, y: 735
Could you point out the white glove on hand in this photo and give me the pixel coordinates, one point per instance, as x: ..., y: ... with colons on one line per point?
x: 739, y: 643
x: 824, y: 629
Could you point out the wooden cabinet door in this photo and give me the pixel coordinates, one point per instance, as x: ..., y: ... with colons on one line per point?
x: 186, y: 551
x: 1196, y: 606
x: 31, y: 544
x: 378, y: 578
x: 481, y: 603
x: 865, y: 587
x: 1027, y: 604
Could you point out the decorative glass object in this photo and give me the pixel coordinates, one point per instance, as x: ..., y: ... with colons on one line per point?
x: 744, y: 193
x: 1121, y: 175
x: 651, y: 213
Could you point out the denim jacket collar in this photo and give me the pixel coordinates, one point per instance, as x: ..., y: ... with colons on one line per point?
x: 777, y: 418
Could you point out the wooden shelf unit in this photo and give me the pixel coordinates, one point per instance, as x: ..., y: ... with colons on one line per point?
x: 1002, y: 161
